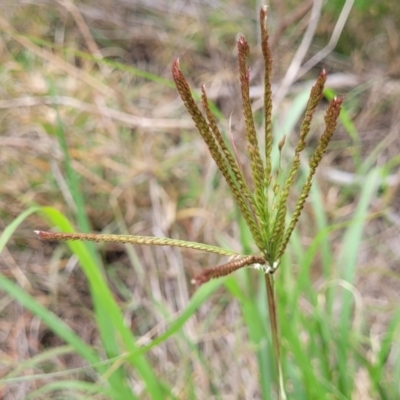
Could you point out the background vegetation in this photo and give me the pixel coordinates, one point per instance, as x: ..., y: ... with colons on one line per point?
x: 92, y: 126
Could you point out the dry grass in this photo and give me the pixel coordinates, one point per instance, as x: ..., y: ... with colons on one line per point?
x: 145, y: 171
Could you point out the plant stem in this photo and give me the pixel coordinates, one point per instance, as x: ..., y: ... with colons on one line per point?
x: 273, y: 320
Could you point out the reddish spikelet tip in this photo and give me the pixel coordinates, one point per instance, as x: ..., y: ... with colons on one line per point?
x: 263, y: 13
x: 199, y: 280
x: 176, y: 71
x: 338, y: 100
x: 336, y: 104
x: 242, y: 44
x: 204, y: 99
x: 41, y: 234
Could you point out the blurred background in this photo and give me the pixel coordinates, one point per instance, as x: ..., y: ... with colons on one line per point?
x: 86, y: 85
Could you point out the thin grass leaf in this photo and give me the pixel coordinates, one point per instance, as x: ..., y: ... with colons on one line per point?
x: 72, y: 177
x: 387, y: 343
x: 254, y: 313
x: 10, y: 229
x: 199, y: 297
x: 347, y: 261
x: 69, y: 387
x: 51, y: 320
x: 43, y: 357
x: 107, y: 303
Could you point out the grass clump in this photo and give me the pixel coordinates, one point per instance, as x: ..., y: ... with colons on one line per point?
x: 151, y: 334
x: 263, y: 201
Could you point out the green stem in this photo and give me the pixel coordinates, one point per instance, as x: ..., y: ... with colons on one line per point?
x: 273, y: 320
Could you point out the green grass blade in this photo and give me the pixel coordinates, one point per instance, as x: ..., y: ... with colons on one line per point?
x: 200, y: 296
x: 322, y: 224
x: 10, y: 229
x: 352, y: 239
x: 51, y: 320
x: 43, y: 357
x: 106, y: 303
x: 68, y: 387
x: 347, y: 262
x: 377, y: 372
x: 71, y: 176
x: 255, y: 315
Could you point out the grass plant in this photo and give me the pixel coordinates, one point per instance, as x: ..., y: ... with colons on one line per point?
x: 319, y: 332
x: 263, y: 205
